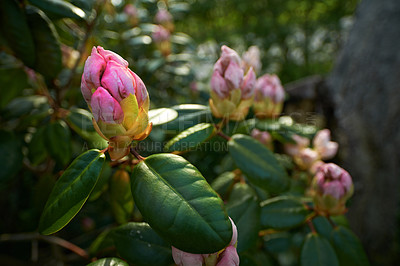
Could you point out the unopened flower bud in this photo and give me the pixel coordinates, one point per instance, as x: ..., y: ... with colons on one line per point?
x: 165, y: 18
x: 182, y: 258
x: 293, y: 149
x: 322, y: 143
x: 251, y: 58
x: 332, y: 187
x: 229, y: 257
x: 306, y: 158
x: 262, y: 136
x: 161, y: 38
x: 118, y: 100
x: 231, y: 91
x: 131, y: 13
x: 269, y: 96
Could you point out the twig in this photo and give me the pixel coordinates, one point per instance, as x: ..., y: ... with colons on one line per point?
x: 221, y: 134
x: 312, y: 228
x: 136, y: 154
x: 50, y: 239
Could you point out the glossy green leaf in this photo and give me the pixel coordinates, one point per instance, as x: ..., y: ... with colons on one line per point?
x: 71, y: 191
x: 348, y: 247
x: 58, y: 141
x: 317, y: 251
x: 16, y: 31
x: 37, y: 152
x: 103, y: 242
x: 283, y: 212
x: 13, y: 81
x: 47, y: 45
x: 180, y: 205
x: 322, y: 226
x: 59, y: 8
x: 10, y: 155
x: 191, y: 137
x: 188, y: 115
x: 80, y: 120
x: 102, y: 183
x: 140, y: 245
x: 108, y: 262
x: 244, y: 210
x: 258, y: 163
x: 223, y: 184
x: 121, y: 199
x: 162, y: 115
x: 277, y: 242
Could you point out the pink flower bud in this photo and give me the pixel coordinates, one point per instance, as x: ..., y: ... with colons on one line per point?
x: 251, y: 58
x: 118, y: 99
x: 105, y: 107
x: 324, y: 146
x: 231, y: 91
x: 229, y: 257
x: 269, y: 96
x: 160, y: 34
x: 333, y: 186
x: 163, y: 16
x: 262, y: 136
x: 182, y: 258
x: 306, y: 158
x: 294, y: 149
x: 130, y: 10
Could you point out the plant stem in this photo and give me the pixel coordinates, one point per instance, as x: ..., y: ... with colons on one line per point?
x: 34, y: 236
x: 221, y: 134
x: 136, y: 154
x: 310, y: 224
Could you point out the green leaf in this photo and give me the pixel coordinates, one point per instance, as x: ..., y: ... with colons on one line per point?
x: 277, y: 242
x: 102, y: 183
x: 223, y: 184
x: 13, y: 81
x: 190, y: 138
x: 22, y: 106
x: 58, y: 141
x: 104, y: 241
x: 348, y: 247
x: 188, y: 115
x: 59, y: 9
x: 37, y: 152
x: 162, y: 115
x: 71, y: 191
x: 317, y: 251
x: 255, y: 258
x: 80, y: 120
x: 322, y: 226
x: 108, y: 262
x: 47, y: 45
x: 140, y: 245
x: 180, y: 205
x: 16, y: 30
x: 244, y: 210
x: 10, y: 156
x: 121, y: 199
x: 258, y: 163
x: 283, y: 212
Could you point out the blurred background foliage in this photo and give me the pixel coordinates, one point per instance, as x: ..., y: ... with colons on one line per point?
x: 42, y: 53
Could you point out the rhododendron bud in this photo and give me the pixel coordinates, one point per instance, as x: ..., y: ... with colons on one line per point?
x: 183, y: 258
x: 332, y: 187
x: 118, y: 100
x: 161, y: 38
x: 231, y: 91
x: 322, y: 143
x: 229, y: 257
x: 131, y: 13
x: 165, y: 18
x: 262, y: 136
x: 294, y: 149
x: 251, y: 58
x: 306, y: 158
x: 269, y: 96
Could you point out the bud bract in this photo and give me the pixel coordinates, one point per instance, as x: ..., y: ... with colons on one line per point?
x: 251, y: 58
x: 322, y: 143
x: 118, y: 100
x: 306, y: 158
x: 332, y: 187
x: 231, y: 91
x: 269, y: 96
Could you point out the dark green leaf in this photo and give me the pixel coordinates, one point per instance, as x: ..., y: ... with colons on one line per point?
x: 108, y: 262
x: 283, y: 212
x: 317, y: 251
x: 258, y: 163
x: 102, y: 183
x: 255, y: 258
x: 37, y: 152
x: 180, y: 205
x: 59, y: 9
x: 348, y: 247
x: 58, y: 141
x: 244, y: 210
x: 191, y: 137
x: 71, y: 191
x: 277, y: 242
x: 47, y: 44
x: 80, y: 120
x: 104, y: 241
x: 10, y: 156
x: 223, y: 184
x: 322, y: 226
x: 24, y: 105
x: 121, y: 196
x: 188, y: 115
x: 16, y: 31
x: 13, y: 81
x: 140, y: 245
x: 162, y: 115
